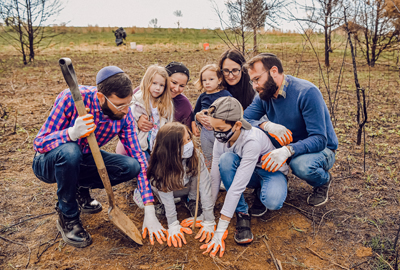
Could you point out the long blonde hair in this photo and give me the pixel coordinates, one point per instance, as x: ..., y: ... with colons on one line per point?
x: 163, y: 103
x: 213, y: 67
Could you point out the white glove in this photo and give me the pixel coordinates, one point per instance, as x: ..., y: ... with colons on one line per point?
x: 152, y: 225
x: 218, y: 240
x: 206, y: 231
x: 275, y: 159
x: 175, y: 234
x: 189, y: 221
x: 84, y: 125
x: 279, y: 132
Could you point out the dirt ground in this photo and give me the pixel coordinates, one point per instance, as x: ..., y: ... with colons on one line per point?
x: 354, y: 230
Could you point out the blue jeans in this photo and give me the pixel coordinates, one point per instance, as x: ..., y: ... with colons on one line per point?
x: 67, y: 166
x: 313, y: 167
x: 273, y: 185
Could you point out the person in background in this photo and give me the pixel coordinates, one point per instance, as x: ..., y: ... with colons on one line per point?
x: 299, y: 121
x: 210, y: 82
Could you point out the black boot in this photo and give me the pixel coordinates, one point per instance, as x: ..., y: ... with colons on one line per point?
x: 86, y: 203
x: 243, y: 234
x: 191, y: 206
x: 258, y: 209
x: 72, y: 231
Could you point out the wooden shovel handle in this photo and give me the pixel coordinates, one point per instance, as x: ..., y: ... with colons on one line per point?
x: 70, y: 77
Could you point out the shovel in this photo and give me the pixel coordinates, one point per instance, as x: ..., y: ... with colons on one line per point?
x: 114, y: 213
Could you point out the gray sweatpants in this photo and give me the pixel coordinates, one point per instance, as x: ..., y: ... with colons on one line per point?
x: 207, y: 144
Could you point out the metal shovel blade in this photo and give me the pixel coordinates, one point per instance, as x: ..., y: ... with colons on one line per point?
x: 125, y: 224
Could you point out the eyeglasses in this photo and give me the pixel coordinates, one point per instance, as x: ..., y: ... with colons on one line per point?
x: 234, y: 72
x: 255, y: 81
x: 120, y: 108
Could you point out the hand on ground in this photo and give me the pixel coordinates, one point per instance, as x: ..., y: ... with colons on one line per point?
x: 175, y: 234
x: 152, y: 225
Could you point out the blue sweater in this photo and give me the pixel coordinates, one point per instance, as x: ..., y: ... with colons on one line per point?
x: 301, y: 109
x: 205, y: 100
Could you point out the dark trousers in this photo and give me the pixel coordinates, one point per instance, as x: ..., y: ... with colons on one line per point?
x: 67, y: 166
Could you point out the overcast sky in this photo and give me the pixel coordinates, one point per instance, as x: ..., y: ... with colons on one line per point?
x: 125, y: 13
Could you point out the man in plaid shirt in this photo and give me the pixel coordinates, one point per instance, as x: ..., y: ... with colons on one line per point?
x: 63, y: 155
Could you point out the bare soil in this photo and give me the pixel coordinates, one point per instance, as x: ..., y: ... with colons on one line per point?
x: 359, y: 221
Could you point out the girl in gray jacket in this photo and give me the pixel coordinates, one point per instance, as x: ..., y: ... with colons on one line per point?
x: 173, y: 170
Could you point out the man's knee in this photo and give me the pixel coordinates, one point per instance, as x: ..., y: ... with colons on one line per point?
x: 131, y: 168
x: 69, y: 152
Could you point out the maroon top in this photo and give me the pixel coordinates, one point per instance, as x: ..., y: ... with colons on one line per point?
x: 183, y: 110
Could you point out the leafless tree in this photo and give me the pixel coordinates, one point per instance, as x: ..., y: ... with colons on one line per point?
x: 153, y: 23
x: 380, y: 23
x: 332, y: 88
x: 325, y: 14
x: 362, y: 115
x: 178, y: 13
x: 26, y: 30
x: 258, y: 13
x: 243, y: 19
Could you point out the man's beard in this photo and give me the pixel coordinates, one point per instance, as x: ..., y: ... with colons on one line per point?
x: 107, y: 111
x: 268, y: 89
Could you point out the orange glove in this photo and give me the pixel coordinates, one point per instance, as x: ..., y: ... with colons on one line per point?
x: 152, y: 225
x: 275, y: 159
x: 189, y: 221
x: 218, y: 240
x: 207, y: 231
x: 279, y: 132
x: 175, y: 234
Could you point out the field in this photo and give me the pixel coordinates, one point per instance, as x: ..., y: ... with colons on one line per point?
x: 356, y: 229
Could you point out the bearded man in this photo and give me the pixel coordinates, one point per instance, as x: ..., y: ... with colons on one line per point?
x: 298, y: 120
x: 63, y: 155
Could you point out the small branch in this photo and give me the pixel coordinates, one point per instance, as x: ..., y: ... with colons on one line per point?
x: 319, y: 225
x: 21, y: 244
x: 381, y: 258
x: 272, y: 255
x: 241, y: 254
x: 324, y: 259
x: 301, y: 210
x: 23, y: 221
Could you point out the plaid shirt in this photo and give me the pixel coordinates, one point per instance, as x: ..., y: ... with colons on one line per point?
x: 63, y: 115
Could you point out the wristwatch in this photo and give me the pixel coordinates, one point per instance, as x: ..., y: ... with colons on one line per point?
x: 291, y: 149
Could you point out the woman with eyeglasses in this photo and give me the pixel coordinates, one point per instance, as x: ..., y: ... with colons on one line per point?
x: 235, y: 80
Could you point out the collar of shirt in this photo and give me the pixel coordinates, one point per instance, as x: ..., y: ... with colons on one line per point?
x: 283, y: 88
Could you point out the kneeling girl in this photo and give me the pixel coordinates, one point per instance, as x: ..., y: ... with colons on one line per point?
x: 173, y: 170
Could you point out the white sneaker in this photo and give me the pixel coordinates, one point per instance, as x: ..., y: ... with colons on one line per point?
x: 177, y: 200
x: 137, y: 198
x: 222, y: 187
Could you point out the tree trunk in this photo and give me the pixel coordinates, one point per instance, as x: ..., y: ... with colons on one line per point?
x: 326, y: 47
x: 255, y: 49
